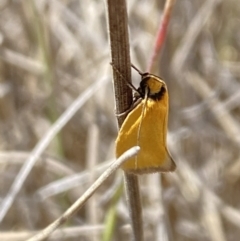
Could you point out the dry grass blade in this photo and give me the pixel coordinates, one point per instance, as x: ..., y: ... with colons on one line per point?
x: 51, y: 164
x: 68, y: 233
x: 82, y: 200
x: 66, y: 183
x: 21, y: 61
x: 193, y: 188
x: 191, y: 34
x: 92, y: 155
x: 47, y: 61
x: 227, y: 122
x: 37, y: 151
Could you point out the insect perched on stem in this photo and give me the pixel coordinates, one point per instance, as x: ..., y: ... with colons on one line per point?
x: 146, y: 126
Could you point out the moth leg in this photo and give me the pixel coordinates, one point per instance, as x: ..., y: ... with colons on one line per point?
x: 122, y: 114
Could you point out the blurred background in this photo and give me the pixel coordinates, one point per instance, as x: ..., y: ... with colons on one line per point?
x: 51, y: 52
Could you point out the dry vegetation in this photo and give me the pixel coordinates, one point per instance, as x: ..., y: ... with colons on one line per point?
x: 52, y: 51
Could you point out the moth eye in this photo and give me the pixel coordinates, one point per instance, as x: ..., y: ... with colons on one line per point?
x: 163, y: 89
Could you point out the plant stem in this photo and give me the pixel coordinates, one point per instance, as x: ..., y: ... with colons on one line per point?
x: 118, y: 32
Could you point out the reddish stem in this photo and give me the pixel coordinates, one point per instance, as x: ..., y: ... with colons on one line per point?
x: 161, y: 35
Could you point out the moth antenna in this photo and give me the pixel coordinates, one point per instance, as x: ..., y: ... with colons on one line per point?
x: 140, y: 72
x: 128, y: 83
x: 132, y: 86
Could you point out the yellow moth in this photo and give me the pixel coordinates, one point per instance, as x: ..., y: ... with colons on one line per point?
x: 146, y: 126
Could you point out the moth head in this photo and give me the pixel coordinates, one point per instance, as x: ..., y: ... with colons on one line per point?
x: 152, y: 86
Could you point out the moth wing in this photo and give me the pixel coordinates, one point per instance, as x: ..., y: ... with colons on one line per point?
x: 127, y: 135
x: 147, y: 161
x: 169, y: 164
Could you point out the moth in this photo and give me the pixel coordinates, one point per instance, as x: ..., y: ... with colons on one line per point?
x: 146, y: 126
